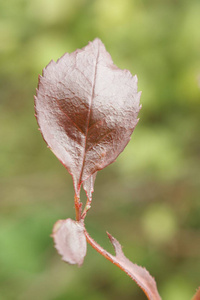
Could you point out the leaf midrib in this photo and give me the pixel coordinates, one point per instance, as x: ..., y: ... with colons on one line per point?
x: 88, y: 117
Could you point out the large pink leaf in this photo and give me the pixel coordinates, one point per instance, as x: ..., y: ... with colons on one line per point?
x: 70, y: 241
x: 86, y: 109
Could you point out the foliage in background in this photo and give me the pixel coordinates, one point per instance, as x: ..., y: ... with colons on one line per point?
x: 156, y: 182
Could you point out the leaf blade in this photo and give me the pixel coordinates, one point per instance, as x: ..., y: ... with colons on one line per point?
x: 139, y: 274
x: 86, y: 109
x: 70, y: 241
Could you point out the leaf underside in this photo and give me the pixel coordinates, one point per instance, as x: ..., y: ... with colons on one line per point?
x: 86, y: 109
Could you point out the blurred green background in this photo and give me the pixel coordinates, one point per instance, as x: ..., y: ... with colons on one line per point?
x: 149, y: 198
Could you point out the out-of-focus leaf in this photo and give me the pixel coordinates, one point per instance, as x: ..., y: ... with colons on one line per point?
x: 140, y: 275
x: 86, y: 109
x: 70, y: 240
x: 197, y: 295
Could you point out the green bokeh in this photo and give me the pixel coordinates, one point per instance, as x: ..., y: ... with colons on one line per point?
x: 148, y: 199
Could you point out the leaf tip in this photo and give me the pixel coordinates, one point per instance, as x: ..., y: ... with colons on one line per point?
x: 117, y: 246
x: 97, y: 41
x: 135, y: 78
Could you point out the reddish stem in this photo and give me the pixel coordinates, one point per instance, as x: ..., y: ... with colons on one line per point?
x: 99, y: 249
x: 104, y: 253
x: 78, y: 206
x: 86, y: 208
x: 113, y: 259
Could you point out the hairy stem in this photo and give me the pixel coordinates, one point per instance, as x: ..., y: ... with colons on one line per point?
x: 86, y: 208
x: 103, y: 252
x: 119, y: 263
x: 78, y: 206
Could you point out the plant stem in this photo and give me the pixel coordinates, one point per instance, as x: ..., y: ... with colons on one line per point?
x: 120, y: 262
x: 86, y: 208
x: 102, y: 251
x: 78, y: 206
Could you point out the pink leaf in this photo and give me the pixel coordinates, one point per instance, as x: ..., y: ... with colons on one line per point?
x: 140, y: 275
x: 70, y: 240
x: 86, y: 109
x: 88, y: 185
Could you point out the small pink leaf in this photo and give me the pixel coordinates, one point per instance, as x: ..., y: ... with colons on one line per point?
x: 86, y: 109
x: 88, y: 185
x: 140, y: 275
x: 197, y: 295
x: 70, y: 240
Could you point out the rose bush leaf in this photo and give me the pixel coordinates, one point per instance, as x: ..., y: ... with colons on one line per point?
x: 139, y: 274
x: 86, y: 109
x: 70, y: 241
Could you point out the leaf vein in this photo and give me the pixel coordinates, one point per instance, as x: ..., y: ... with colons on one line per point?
x: 89, y: 115
x: 101, y: 139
